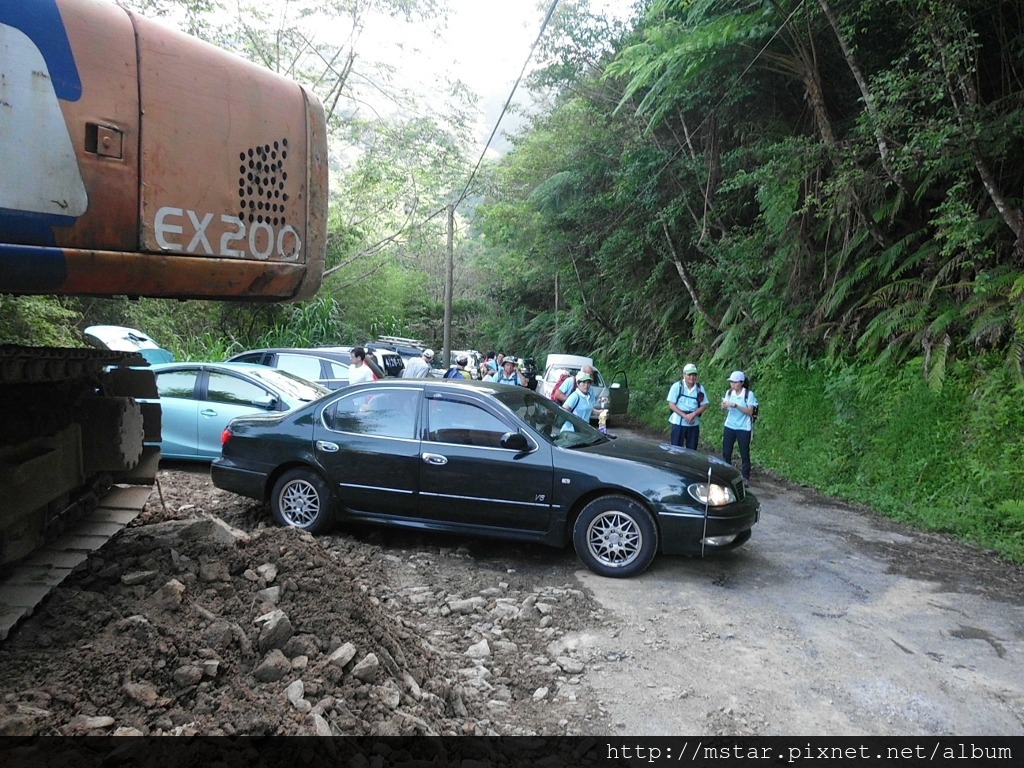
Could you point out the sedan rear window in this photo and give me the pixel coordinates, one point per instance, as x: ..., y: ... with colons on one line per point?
x: 177, y: 384
x: 301, y: 365
x: 379, y: 413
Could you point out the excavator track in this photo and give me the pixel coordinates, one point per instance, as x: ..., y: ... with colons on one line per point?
x: 78, y: 460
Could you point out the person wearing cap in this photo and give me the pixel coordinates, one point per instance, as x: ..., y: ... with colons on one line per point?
x: 582, y: 401
x: 569, y: 384
x: 458, y: 371
x: 419, y: 367
x: 739, y: 404
x: 508, y: 373
x: 687, y: 400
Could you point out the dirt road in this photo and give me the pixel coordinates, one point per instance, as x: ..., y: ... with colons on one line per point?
x: 829, y: 622
x: 205, y: 619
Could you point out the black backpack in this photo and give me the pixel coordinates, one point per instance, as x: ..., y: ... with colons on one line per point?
x: 700, y: 393
x: 746, y: 394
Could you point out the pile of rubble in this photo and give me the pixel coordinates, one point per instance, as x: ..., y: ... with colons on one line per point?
x: 202, y: 620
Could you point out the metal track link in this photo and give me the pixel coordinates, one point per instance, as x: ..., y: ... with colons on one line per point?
x: 28, y: 582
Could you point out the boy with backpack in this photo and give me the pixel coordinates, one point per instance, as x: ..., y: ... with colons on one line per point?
x: 687, y: 400
x: 458, y: 371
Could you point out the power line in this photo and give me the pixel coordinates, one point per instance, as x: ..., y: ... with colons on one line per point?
x: 508, y: 101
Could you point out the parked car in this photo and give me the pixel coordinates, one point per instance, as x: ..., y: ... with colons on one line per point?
x: 325, y: 366
x: 122, y: 339
x: 480, y: 458
x: 406, y: 348
x: 198, y: 400
x: 612, y: 395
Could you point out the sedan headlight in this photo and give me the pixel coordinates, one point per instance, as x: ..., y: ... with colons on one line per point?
x: 714, y: 495
x: 604, y: 402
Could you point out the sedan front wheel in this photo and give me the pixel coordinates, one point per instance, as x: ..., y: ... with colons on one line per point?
x: 615, y: 536
x: 302, y: 499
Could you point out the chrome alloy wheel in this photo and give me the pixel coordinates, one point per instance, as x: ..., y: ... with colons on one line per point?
x: 300, y: 503
x: 614, y: 539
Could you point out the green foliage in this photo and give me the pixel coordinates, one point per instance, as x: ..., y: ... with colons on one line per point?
x: 37, y: 321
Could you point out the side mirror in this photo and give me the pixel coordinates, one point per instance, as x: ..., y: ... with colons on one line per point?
x: 267, y: 403
x: 616, y: 385
x: 514, y: 441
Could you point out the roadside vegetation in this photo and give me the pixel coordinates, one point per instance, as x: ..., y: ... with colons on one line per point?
x: 826, y: 194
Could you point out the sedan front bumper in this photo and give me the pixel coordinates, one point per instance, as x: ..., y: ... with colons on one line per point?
x: 683, y: 527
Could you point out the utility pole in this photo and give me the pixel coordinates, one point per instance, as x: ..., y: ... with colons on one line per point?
x: 556, y: 304
x: 449, y: 285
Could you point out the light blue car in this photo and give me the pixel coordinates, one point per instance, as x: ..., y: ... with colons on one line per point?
x: 199, y: 399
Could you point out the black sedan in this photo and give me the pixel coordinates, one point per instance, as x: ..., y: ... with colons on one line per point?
x: 489, y: 459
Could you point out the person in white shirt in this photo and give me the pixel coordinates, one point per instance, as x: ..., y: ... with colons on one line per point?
x: 359, y: 371
x: 740, y: 405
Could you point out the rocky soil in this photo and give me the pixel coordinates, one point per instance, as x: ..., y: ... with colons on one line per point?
x: 202, y: 618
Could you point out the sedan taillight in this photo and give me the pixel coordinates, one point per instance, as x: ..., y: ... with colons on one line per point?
x: 225, y: 436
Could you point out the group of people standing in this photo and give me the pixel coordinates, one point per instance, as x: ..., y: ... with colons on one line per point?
x: 687, y: 400
x: 574, y: 393
x: 503, y: 369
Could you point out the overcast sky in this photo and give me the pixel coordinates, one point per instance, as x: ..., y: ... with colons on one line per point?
x: 485, y: 45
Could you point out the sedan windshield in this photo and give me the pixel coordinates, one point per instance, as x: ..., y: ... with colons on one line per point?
x: 290, y: 385
x: 552, y: 422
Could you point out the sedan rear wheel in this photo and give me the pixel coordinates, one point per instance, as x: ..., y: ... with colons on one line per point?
x: 302, y: 499
x: 615, y: 536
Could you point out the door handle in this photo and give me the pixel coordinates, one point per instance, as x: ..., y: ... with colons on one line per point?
x: 326, y: 447
x: 207, y: 412
x: 435, y: 459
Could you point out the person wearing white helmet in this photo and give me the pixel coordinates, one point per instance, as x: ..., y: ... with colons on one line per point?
x: 508, y: 373
x: 582, y: 400
x: 740, y: 405
x: 419, y: 367
x: 458, y: 371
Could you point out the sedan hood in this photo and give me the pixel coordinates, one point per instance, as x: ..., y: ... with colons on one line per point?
x: 659, y: 454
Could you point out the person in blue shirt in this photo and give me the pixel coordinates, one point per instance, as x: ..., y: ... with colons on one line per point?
x: 582, y: 401
x: 687, y: 400
x: 569, y: 384
x: 738, y: 403
x: 508, y: 373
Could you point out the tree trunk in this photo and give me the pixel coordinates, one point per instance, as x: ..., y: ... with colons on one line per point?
x: 865, y: 91
x: 684, y: 275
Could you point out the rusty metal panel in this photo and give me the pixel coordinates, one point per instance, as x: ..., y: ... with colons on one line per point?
x: 67, y: 65
x: 140, y: 161
x: 94, y: 273
x: 317, y: 184
x: 223, y: 153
